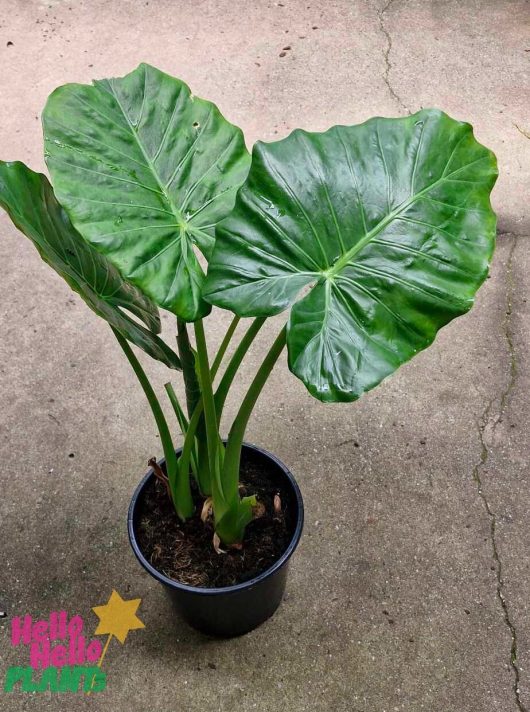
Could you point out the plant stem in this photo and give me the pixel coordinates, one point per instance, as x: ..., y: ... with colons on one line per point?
x: 222, y: 390
x: 182, y: 420
x: 165, y: 436
x: 187, y: 359
x: 234, y: 363
x: 237, y: 431
x: 187, y: 448
x: 229, y: 374
x: 224, y: 345
x: 210, y: 417
x: 220, y: 395
x: 183, y: 423
x: 180, y: 487
x: 200, y: 460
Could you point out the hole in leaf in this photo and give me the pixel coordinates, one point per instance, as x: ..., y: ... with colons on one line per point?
x: 196, y: 124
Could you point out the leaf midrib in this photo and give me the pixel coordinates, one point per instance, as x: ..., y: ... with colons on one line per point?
x: 169, y: 200
x: 350, y: 254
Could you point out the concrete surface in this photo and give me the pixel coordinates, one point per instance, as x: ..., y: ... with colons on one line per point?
x: 411, y: 588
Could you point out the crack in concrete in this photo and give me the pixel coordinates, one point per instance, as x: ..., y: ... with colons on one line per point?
x: 510, y: 233
x: 525, y: 133
x: 386, y: 55
x: 488, y: 422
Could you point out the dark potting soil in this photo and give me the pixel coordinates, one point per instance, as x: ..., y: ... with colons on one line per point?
x: 184, y: 551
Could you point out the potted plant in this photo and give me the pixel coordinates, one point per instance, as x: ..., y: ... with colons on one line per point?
x: 375, y: 236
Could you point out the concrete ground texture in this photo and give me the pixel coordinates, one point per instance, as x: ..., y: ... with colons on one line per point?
x: 411, y: 587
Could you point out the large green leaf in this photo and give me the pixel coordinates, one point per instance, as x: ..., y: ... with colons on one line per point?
x: 29, y: 200
x: 145, y: 170
x: 390, y: 224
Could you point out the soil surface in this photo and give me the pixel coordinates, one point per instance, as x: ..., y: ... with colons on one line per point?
x: 184, y: 551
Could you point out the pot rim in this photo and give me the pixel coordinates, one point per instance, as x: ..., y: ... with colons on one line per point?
x: 282, y: 561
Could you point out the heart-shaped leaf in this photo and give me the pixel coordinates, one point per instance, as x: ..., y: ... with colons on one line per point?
x: 390, y: 224
x: 145, y: 171
x: 30, y: 202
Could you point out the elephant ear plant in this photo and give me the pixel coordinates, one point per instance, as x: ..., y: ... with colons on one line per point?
x: 374, y: 236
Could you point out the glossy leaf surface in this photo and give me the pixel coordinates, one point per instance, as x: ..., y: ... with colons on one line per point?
x: 30, y: 202
x: 379, y: 234
x: 145, y: 170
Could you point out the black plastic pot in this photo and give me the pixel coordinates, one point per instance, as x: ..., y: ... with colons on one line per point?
x: 234, y: 610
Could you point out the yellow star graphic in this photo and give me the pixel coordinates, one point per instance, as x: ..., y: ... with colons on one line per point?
x: 118, y: 617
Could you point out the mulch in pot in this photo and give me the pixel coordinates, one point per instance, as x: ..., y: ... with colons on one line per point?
x: 183, y: 551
